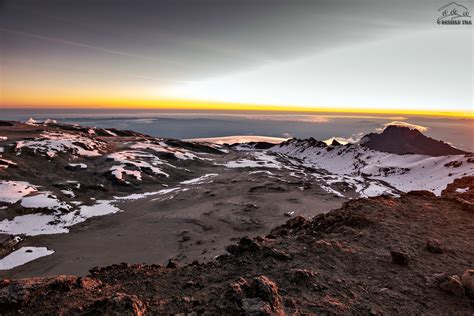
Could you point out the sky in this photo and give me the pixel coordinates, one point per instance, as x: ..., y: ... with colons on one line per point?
x: 351, y: 55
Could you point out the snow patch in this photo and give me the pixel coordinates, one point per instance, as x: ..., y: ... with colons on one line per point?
x: 53, y: 143
x: 403, y: 172
x: 43, y: 200
x: 332, y: 191
x: 200, y: 180
x: 47, y: 224
x: 110, y: 133
x: 462, y: 190
x: 260, y: 160
x: 68, y: 193
x: 133, y: 163
x: 13, y: 191
x: 23, y: 255
x: 78, y: 165
x: 162, y: 147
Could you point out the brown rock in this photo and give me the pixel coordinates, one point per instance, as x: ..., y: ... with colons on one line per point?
x: 172, y: 264
x: 434, y: 246
x: 119, y: 304
x: 88, y: 283
x: 262, y: 287
x: 467, y: 281
x: 400, y: 258
x: 245, y: 244
x: 452, y: 284
x: 301, y: 275
x: 297, y: 222
x: 256, y: 307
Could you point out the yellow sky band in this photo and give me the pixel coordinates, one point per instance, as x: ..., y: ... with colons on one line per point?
x: 174, y: 104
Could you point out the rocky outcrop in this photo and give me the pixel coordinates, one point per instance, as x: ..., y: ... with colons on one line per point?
x: 372, y: 256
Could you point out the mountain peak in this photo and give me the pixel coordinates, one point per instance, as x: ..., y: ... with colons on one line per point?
x: 405, y: 140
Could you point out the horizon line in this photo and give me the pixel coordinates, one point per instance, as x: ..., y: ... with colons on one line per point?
x: 176, y: 104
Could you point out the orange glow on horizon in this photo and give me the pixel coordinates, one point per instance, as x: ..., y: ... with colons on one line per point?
x: 182, y: 104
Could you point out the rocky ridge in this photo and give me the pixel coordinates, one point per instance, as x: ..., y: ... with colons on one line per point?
x: 382, y: 255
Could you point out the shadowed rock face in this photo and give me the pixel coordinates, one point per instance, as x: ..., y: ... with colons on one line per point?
x: 403, y: 140
x: 340, y: 262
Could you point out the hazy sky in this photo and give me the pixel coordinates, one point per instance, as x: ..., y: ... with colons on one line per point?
x: 346, y: 54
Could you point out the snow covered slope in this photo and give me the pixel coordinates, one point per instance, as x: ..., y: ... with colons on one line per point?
x: 403, y: 172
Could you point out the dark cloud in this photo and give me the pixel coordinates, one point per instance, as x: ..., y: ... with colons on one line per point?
x: 192, y: 39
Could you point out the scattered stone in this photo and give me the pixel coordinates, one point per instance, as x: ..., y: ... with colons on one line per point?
x: 301, y: 275
x: 255, y: 306
x: 451, y: 284
x: 297, y: 222
x: 277, y: 254
x: 434, y: 246
x: 467, y: 281
x: 119, y: 304
x: 172, y: 264
x: 259, y: 297
x: 185, y: 238
x: 245, y: 244
x: 14, y: 294
x: 400, y: 258
x: 267, y: 290
x: 88, y: 283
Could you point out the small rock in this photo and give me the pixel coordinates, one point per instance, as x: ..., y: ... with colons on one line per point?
x: 452, y: 284
x: 172, y: 264
x: 289, y: 302
x: 255, y: 306
x: 400, y: 258
x: 88, y: 283
x: 297, y: 222
x: 434, y: 246
x: 245, y: 244
x: 267, y: 290
x: 467, y: 281
x: 277, y: 254
x: 301, y: 275
x: 185, y: 238
x: 119, y: 304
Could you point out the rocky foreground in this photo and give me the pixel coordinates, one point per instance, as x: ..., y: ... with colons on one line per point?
x: 381, y: 255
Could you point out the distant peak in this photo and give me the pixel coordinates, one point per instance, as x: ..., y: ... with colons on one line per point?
x: 407, y: 139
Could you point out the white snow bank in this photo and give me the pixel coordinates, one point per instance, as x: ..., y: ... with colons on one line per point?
x: 110, y: 133
x: 68, y: 193
x: 162, y: 147
x: 78, y: 165
x: 43, y: 200
x: 133, y: 163
x: 13, y: 191
x: 137, y: 196
x: 462, y: 190
x: 54, y: 143
x: 260, y: 160
x: 403, y: 172
x: 200, y: 179
x: 47, y: 224
x: 331, y: 190
x: 23, y: 255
